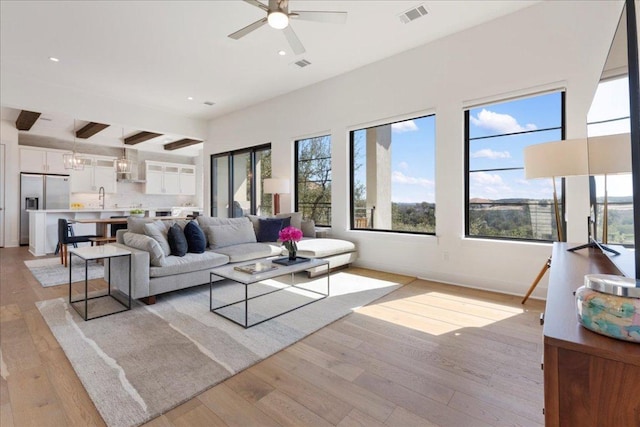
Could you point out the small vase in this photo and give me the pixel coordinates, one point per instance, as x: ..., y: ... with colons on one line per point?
x: 292, y: 249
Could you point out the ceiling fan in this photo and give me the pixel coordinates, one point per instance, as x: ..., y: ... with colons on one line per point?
x: 278, y: 16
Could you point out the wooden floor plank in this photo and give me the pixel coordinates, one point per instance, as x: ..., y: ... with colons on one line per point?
x: 307, y: 394
x: 232, y: 409
x: 288, y: 412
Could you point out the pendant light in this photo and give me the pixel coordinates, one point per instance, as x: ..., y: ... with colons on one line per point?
x: 73, y: 160
x: 122, y: 165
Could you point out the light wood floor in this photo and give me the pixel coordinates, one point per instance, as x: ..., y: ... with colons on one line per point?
x: 427, y: 354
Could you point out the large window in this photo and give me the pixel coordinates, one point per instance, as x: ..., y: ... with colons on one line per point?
x: 236, y: 182
x: 393, y: 177
x: 500, y: 202
x: 313, y: 179
x: 609, y: 115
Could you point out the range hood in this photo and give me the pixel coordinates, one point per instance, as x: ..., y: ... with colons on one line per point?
x: 133, y: 177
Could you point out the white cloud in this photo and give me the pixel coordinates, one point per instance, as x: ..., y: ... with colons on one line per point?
x: 502, y: 123
x: 484, y: 178
x: 403, y: 165
x: 400, y: 178
x: 406, y: 126
x: 490, y: 154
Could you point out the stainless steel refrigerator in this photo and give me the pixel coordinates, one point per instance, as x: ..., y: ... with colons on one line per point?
x: 38, y: 191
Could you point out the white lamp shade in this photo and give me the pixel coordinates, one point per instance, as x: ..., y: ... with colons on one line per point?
x: 556, y: 159
x: 276, y: 186
x: 610, y: 154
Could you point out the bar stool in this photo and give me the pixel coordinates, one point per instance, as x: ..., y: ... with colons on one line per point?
x: 67, y: 237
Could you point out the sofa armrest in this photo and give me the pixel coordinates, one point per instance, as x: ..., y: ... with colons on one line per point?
x: 139, y: 272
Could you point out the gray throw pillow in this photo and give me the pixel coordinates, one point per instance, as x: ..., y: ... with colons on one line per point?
x: 146, y: 243
x: 158, y: 232
x: 233, y: 234
x: 309, y: 228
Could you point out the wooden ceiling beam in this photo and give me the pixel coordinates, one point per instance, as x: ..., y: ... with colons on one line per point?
x: 90, y: 129
x: 140, y: 137
x: 26, y: 119
x: 176, y: 145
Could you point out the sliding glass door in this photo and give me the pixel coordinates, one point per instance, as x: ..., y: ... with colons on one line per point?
x: 236, y: 182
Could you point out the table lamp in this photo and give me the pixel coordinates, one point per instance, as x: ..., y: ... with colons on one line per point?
x: 276, y: 186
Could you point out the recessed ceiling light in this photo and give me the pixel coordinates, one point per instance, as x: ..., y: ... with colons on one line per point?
x: 282, y: 53
x: 190, y: 98
x: 53, y: 59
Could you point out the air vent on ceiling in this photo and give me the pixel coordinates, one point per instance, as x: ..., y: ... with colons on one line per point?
x: 413, y: 14
x: 302, y: 63
x: 46, y: 119
x: 209, y: 103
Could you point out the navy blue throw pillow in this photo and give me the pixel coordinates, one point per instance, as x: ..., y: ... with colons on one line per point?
x: 195, y: 237
x: 269, y: 229
x: 177, y: 241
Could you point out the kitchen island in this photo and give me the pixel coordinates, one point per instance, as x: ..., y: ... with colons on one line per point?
x: 43, y: 224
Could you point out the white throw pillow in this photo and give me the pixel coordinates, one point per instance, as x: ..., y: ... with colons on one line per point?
x: 146, y: 243
x: 220, y: 236
x: 158, y: 232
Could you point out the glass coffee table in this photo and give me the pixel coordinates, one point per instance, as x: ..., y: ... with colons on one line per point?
x: 266, y: 270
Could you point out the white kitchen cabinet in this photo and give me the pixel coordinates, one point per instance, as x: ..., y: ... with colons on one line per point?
x: 170, y: 178
x: 188, y: 180
x: 39, y: 160
x: 98, y: 172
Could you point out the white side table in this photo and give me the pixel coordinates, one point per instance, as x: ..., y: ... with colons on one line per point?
x: 90, y: 253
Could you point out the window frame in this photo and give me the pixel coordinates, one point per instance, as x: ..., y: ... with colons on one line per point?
x: 296, y: 162
x: 467, y: 147
x: 352, y: 131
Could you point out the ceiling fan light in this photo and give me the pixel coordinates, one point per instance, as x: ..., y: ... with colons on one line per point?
x: 278, y: 20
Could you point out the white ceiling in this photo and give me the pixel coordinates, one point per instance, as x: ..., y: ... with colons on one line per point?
x: 158, y: 53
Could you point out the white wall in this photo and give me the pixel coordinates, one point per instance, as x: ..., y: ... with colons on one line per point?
x: 549, y: 45
x: 9, y: 137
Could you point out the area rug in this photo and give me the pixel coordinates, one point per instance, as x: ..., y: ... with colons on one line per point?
x: 141, y: 363
x: 49, y: 271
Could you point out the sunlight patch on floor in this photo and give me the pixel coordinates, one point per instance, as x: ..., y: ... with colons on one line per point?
x: 438, y: 313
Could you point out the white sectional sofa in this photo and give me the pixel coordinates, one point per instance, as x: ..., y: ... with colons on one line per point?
x: 229, y: 240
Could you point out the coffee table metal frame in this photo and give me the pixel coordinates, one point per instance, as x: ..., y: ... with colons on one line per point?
x: 94, y: 253
x: 246, y: 279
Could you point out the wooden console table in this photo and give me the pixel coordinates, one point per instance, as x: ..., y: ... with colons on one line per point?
x: 589, y: 379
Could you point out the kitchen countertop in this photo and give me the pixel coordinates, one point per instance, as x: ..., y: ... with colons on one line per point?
x: 113, y: 209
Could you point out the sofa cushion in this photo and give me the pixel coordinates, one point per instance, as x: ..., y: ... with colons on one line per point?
x: 269, y: 229
x: 293, y: 219
x: 249, y: 251
x: 146, y: 243
x: 320, y: 248
x: 205, y: 221
x: 188, y: 263
x: 177, y: 241
x: 221, y: 236
x: 196, y: 241
x: 309, y: 228
x: 136, y: 224
x: 157, y: 230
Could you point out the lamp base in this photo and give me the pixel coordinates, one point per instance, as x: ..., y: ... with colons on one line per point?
x: 276, y: 204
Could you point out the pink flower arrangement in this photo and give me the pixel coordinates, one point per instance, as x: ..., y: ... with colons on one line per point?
x: 290, y: 234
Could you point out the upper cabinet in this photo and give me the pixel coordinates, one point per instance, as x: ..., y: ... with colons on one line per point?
x: 98, y: 172
x: 170, y: 178
x: 40, y: 160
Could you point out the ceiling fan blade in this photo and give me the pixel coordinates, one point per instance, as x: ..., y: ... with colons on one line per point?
x: 294, y: 41
x: 249, y: 28
x: 327, y: 17
x: 258, y: 4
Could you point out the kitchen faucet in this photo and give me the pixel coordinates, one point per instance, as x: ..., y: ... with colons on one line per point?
x: 101, y: 197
